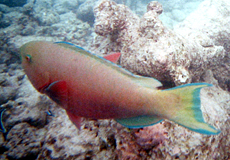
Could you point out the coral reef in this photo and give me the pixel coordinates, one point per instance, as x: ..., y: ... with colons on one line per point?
x: 211, y: 29
x: 24, y: 141
x: 65, y: 6
x: 13, y: 3
x: 192, y: 52
x: 148, y: 47
x: 105, y: 139
x: 51, y: 20
x: 85, y: 11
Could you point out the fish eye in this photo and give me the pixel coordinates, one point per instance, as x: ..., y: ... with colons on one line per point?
x: 28, y: 57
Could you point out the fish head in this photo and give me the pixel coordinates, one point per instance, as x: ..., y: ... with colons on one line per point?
x: 32, y: 57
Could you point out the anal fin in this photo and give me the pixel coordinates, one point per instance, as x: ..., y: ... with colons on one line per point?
x: 139, y: 122
x: 74, y: 118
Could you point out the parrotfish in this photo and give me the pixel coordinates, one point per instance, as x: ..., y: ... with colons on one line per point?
x: 91, y: 86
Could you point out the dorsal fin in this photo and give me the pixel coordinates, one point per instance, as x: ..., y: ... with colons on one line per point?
x: 71, y: 46
x: 114, y: 57
x: 143, y: 81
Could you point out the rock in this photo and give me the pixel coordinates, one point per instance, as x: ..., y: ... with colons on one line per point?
x: 31, y: 109
x: 210, y: 25
x: 148, y: 48
x: 4, y: 8
x: 28, y: 30
x: 19, y: 40
x: 62, y: 144
x: 7, y: 93
x: 156, y: 6
x: 71, y: 28
x: 25, y: 119
x: 13, y: 3
x: 43, y: 13
x: 8, y: 87
x: 12, y: 16
x: 24, y: 141
x: 46, y: 17
x: 85, y: 11
x: 10, y: 27
x: 95, y: 140
x: 3, y: 68
x: 3, y: 80
x: 64, y: 6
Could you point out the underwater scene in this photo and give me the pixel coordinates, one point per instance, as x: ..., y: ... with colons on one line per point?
x: 114, y: 79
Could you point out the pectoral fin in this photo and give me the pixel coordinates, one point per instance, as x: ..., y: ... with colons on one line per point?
x: 139, y: 122
x: 57, y: 91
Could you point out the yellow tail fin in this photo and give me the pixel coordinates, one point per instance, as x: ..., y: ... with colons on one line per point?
x: 186, y: 113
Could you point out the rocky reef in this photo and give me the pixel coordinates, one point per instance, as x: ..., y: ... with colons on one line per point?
x: 151, y: 49
x: 213, y: 27
x: 197, y: 50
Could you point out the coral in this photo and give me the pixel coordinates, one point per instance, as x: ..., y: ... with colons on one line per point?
x: 211, y: 29
x: 76, y: 29
x: 141, y: 143
x: 13, y: 3
x: 6, y: 19
x: 24, y: 141
x: 85, y: 11
x: 45, y: 17
x: 64, y: 6
x: 9, y: 76
x: 7, y: 91
x: 151, y: 137
x: 148, y: 47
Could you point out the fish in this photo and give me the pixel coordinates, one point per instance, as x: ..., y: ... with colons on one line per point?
x: 2, y: 128
x: 95, y: 87
x: 49, y: 113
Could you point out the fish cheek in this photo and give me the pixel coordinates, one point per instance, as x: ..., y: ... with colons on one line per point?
x: 43, y: 80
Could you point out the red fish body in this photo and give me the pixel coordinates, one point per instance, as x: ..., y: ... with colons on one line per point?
x: 90, y: 85
x: 86, y: 85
